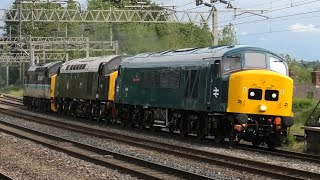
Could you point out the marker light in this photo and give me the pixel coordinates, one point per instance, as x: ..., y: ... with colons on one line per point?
x: 263, y: 108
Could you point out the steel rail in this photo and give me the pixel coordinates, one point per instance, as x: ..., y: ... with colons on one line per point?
x: 11, y: 103
x: 128, y: 164
x: 280, y: 153
x: 4, y: 176
x: 10, y: 97
x: 241, y: 164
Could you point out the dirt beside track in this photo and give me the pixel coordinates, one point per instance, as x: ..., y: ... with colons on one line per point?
x: 23, y: 159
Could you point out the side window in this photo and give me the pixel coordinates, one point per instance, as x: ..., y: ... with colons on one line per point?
x: 113, y: 65
x: 150, y: 79
x: 170, y: 78
x: 35, y: 79
x: 216, y: 69
x: 255, y: 60
x: 28, y: 77
x: 102, y: 70
x: 278, y: 65
x: 232, y: 62
x: 192, y: 82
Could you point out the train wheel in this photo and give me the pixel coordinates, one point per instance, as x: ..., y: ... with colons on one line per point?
x: 271, y: 145
x: 200, y: 134
x: 171, y: 128
x: 201, y: 127
x: 69, y: 112
x: 218, y: 138
x: 100, y: 115
x: 256, y: 142
x: 183, y: 128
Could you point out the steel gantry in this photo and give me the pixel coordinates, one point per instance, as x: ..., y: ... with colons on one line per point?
x: 58, y: 44
x: 107, y: 16
x: 35, y: 48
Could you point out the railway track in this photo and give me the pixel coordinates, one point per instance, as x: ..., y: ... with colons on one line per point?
x: 11, y: 101
x: 240, y: 164
x: 11, y: 97
x: 125, y: 163
x: 4, y: 176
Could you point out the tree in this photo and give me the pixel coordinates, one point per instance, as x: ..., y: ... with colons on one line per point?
x: 227, y: 36
x: 301, y: 71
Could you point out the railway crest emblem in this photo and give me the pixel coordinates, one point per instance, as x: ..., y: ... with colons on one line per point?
x: 216, y: 92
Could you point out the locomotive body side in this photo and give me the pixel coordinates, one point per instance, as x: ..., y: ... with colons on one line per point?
x: 178, y: 86
x: 208, y: 92
x: 82, y: 86
x: 36, y: 91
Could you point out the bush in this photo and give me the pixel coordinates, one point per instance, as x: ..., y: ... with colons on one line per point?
x: 301, y: 104
x: 302, y: 109
x: 290, y: 140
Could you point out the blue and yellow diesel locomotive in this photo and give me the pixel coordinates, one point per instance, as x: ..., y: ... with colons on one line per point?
x: 235, y: 92
x: 37, y: 85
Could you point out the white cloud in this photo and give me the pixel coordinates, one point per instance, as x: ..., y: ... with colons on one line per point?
x: 298, y: 27
x: 243, y: 33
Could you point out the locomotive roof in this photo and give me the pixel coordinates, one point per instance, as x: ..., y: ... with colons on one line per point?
x: 90, y: 64
x: 186, y: 56
x: 43, y: 66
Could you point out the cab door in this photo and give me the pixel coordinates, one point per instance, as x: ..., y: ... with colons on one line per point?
x: 103, y: 82
x: 214, y: 97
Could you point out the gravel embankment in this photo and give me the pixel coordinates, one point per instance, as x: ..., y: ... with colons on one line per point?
x: 22, y: 159
x: 197, y: 167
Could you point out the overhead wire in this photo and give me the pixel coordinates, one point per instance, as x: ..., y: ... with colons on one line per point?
x: 277, y: 17
x: 186, y: 4
x: 287, y: 6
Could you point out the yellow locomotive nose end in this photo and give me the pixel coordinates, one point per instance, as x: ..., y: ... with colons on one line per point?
x: 263, y: 108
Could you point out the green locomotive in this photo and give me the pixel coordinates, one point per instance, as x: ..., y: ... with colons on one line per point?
x: 239, y: 92
x: 82, y: 85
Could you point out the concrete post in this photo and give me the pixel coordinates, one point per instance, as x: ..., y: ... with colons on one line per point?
x: 7, y: 75
x: 215, y: 34
x: 31, y: 55
x: 87, y: 48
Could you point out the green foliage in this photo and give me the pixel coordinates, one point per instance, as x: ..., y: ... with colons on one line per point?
x: 302, y: 109
x: 290, y: 140
x: 227, y: 35
x: 301, y: 70
x: 13, y: 89
x: 136, y: 38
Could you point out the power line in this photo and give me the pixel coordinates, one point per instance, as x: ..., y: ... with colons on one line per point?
x: 186, y: 4
x: 291, y: 5
x: 265, y: 3
x: 277, y: 17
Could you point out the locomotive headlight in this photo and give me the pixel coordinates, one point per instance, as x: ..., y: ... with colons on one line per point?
x: 263, y: 108
x: 252, y: 94
x: 274, y: 95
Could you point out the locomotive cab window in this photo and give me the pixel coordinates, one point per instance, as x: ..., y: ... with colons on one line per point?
x: 102, y: 70
x: 255, y: 60
x: 232, y: 62
x: 278, y: 65
x: 216, y: 69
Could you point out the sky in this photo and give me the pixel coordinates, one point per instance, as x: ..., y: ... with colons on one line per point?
x: 285, y: 27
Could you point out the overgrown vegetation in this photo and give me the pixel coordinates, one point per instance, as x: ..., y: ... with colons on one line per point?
x: 15, y: 90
